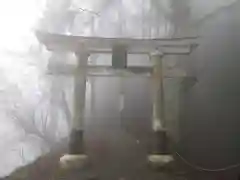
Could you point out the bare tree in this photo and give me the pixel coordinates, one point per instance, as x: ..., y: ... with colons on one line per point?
x: 36, y: 122
x: 43, y: 127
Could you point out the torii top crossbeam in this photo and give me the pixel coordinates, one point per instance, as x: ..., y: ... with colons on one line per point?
x: 104, y: 45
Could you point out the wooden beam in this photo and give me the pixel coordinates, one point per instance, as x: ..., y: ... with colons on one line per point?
x: 103, y: 71
x: 103, y: 45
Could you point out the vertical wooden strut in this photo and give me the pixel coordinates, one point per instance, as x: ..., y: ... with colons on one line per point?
x: 158, y: 117
x: 76, y: 137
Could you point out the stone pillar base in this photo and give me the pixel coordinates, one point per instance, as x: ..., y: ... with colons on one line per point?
x: 73, y: 161
x: 76, y: 157
x: 160, y: 155
x: 160, y: 160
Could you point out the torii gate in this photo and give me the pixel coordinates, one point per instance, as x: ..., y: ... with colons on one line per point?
x: 83, y: 47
